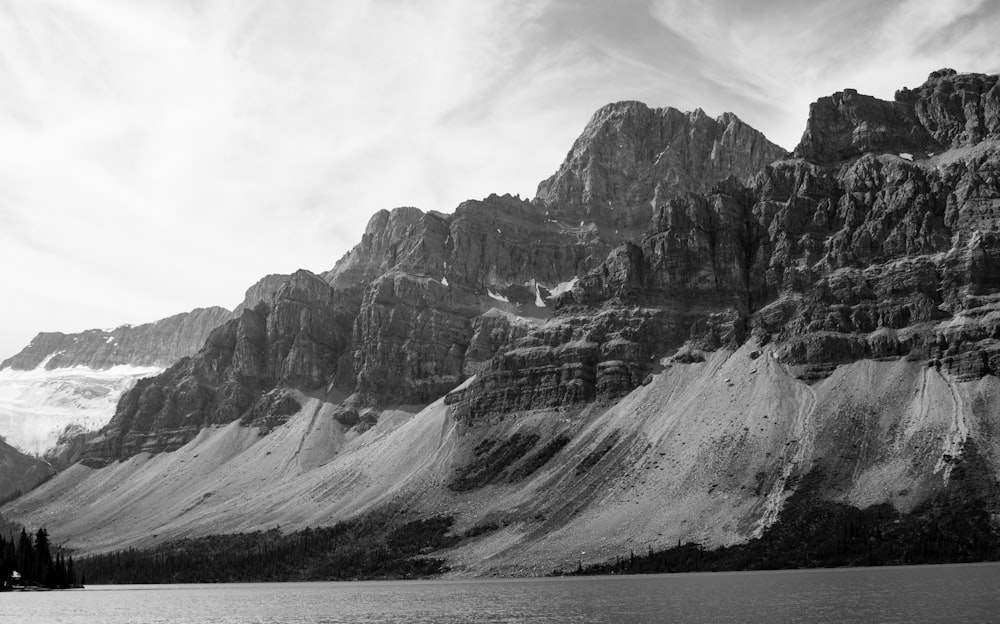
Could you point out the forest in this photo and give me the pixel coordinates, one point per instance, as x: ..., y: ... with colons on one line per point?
x: 28, y: 563
x: 373, y: 546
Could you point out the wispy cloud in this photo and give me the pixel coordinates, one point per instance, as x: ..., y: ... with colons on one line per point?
x: 796, y: 52
x: 159, y: 155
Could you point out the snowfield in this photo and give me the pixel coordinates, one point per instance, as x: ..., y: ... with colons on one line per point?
x: 37, y: 405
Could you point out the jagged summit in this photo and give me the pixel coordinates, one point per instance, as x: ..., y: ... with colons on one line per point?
x: 949, y: 110
x: 631, y: 158
x: 263, y: 290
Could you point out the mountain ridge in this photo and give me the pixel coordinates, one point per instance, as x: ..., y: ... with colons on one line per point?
x: 528, y: 362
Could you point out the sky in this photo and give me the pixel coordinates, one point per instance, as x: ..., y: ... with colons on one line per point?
x: 162, y: 155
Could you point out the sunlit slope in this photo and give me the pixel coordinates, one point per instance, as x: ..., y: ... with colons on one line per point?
x: 706, y: 451
x: 305, y: 473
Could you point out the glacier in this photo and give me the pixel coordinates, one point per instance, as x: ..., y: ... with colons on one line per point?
x: 37, y: 405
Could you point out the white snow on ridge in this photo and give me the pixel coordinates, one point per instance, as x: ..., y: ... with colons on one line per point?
x: 41, y: 365
x: 494, y: 295
x: 906, y: 156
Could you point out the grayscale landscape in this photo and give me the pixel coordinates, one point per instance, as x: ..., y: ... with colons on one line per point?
x: 685, y: 347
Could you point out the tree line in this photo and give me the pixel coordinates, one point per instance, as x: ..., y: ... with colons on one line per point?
x: 27, y: 562
x: 377, y: 545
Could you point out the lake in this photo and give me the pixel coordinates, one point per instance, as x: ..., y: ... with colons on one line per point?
x: 949, y: 593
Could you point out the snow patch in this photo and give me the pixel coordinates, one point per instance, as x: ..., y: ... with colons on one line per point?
x: 538, y: 297
x: 496, y: 296
x: 109, y: 340
x: 563, y: 287
x: 44, y: 362
x: 906, y: 156
x: 444, y: 281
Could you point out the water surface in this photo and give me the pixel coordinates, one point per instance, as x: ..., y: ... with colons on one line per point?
x: 953, y: 593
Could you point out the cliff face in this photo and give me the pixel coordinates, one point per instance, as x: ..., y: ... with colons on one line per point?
x: 295, y: 341
x: 948, y: 111
x: 632, y: 158
x: 682, y: 325
x: 264, y: 291
x: 152, y: 344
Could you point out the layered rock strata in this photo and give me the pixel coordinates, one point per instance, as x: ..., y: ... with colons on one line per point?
x: 152, y: 344
x: 295, y: 341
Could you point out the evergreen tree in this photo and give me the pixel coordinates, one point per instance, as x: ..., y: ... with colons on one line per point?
x: 43, y: 573
x: 25, y: 558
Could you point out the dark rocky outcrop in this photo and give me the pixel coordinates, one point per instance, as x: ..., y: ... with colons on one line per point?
x: 949, y: 110
x: 577, y: 359
x: 264, y: 291
x: 294, y: 342
x: 631, y: 158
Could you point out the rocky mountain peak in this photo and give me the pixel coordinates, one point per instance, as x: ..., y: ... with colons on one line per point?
x: 389, y: 237
x: 949, y: 110
x: 956, y: 109
x: 631, y: 158
x: 264, y: 290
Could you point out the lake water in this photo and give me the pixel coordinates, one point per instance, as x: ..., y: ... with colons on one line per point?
x: 951, y: 593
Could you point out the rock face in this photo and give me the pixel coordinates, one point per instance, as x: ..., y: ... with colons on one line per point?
x: 154, y: 344
x: 575, y: 359
x: 433, y: 275
x: 294, y: 341
x: 631, y: 159
x: 949, y: 110
x: 264, y: 291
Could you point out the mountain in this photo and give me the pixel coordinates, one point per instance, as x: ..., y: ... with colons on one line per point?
x: 411, y: 311
x: 75, y: 380
x: 20, y: 472
x: 152, y: 344
x: 685, y: 326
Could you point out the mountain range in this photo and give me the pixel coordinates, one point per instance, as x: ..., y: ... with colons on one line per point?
x: 684, y: 323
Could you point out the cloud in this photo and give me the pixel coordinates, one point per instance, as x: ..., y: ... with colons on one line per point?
x: 798, y: 51
x: 163, y: 155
